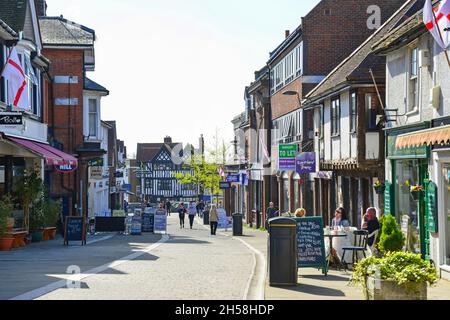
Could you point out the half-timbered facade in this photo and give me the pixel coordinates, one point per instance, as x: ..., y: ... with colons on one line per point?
x: 158, y: 170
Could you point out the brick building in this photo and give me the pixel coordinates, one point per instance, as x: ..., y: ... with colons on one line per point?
x: 327, y: 34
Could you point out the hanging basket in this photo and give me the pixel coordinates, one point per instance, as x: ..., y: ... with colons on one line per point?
x: 406, y: 189
x: 380, y: 189
x: 416, y: 195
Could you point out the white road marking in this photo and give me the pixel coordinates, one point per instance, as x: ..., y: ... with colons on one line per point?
x: 34, y: 294
x: 259, y: 268
x: 101, y: 239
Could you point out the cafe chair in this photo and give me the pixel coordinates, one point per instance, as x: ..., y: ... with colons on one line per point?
x: 360, y: 238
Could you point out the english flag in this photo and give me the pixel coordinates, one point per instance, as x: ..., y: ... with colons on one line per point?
x: 17, y: 83
x: 221, y: 172
x: 437, y: 22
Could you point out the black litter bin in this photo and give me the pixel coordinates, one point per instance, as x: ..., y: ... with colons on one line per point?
x: 237, y: 224
x: 206, y: 217
x: 282, y: 249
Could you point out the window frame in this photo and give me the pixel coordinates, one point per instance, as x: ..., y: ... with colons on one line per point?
x: 96, y: 118
x: 353, y: 111
x: 335, y: 116
x: 413, y: 79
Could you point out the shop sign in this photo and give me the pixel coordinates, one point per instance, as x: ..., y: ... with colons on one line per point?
x: 98, y: 162
x: 96, y: 173
x: 286, y: 159
x: 432, y: 208
x: 407, y: 153
x: 388, y: 198
x: 233, y: 178
x: 305, y: 162
x: 224, y: 185
x: 65, y: 168
x: 11, y: 119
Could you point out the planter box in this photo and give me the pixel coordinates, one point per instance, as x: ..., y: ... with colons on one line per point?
x: 6, y: 244
x: 389, y: 290
x: 36, y: 236
x: 49, y: 234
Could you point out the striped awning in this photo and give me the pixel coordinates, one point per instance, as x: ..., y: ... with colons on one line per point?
x: 429, y: 137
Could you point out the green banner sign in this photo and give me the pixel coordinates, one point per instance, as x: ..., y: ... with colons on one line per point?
x: 432, y: 207
x: 96, y: 162
x: 387, y: 199
x: 288, y: 151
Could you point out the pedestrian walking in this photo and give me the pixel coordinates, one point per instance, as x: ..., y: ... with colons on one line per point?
x: 168, y: 207
x: 213, y: 219
x: 192, y: 212
x: 181, y: 214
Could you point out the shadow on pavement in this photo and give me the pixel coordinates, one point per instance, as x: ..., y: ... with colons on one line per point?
x: 314, y: 290
x: 327, y: 278
x: 185, y: 240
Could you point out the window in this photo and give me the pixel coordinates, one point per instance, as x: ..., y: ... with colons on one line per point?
x: 353, y: 112
x: 288, y: 69
x: 164, y: 185
x: 162, y: 167
x: 413, y: 80
x: 371, y: 113
x: 93, y: 117
x: 335, y: 117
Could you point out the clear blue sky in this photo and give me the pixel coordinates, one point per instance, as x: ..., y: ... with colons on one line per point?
x: 177, y: 67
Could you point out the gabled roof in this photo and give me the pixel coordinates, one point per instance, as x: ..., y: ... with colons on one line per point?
x: 58, y: 31
x: 94, y: 86
x: 7, y: 30
x: 355, y: 68
x: 146, y: 152
x: 13, y: 13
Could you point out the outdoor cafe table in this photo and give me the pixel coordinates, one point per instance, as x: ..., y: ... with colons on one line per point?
x: 330, y: 236
x: 337, y: 240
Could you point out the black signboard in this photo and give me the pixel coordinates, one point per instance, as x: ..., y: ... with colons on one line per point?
x: 75, y: 230
x: 109, y: 224
x: 11, y: 119
x: 148, y: 221
x: 311, y: 243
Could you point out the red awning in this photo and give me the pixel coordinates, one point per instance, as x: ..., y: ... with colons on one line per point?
x: 51, y: 155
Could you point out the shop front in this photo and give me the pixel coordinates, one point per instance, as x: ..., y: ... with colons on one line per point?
x: 406, y: 168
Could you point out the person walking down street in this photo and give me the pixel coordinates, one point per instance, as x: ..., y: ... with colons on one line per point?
x: 213, y: 219
x: 200, y: 207
x: 168, y: 207
x: 192, y: 212
x: 182, y: 214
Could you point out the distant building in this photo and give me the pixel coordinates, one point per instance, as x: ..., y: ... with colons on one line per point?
x: 157, y: 173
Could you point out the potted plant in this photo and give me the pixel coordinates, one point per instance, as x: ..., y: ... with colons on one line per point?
x: 379, y: 187
x: 416, y: 192
x: 37, y: 219
x: 52, y: 211
x: 6, y: 208
x: 397, y: 276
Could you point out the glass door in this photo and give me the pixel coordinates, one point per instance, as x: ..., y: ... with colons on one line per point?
x: 447, y: 212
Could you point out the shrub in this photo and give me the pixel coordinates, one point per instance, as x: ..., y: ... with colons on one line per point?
x: 6, y: 208
x: 392, y: 238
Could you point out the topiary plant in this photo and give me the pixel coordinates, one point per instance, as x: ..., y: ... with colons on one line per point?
x: 392, y: 238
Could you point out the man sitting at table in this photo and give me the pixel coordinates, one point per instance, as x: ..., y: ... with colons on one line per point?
x: 372, y: 224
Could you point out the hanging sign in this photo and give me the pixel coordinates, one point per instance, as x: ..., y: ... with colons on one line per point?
x: 224, y: 185
x: 98, y: 162
x: 11, y: 119
x: 432, y: 207
x: 305, y: 162
x: 96, y: 173
x: 65, y: 168
x: 233, y: 178
x: 387, y: 198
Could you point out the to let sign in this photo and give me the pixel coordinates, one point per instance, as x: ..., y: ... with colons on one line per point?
x: 287, y: 154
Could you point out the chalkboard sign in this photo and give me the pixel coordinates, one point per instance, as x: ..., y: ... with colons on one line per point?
x: 160, y: 221
x: 75, y: 230
x: 148, y: 220
x: 432, y: 208
x: 311, y: 243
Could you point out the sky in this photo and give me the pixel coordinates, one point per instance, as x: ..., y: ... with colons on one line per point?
x: 179, y: 67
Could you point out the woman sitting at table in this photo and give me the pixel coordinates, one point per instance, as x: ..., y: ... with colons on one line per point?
x: 340, y: 219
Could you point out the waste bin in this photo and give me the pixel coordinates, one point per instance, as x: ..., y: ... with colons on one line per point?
x: 237, y: 224
x: 206, y: 217
x: 282, y: 249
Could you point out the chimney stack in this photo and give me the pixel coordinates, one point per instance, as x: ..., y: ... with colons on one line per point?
x: 287, y: 33
x: 167, y: 140
x: 41, y: 8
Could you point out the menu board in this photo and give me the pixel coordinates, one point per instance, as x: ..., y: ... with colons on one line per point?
x: 75, y: 230
x: 225, y: 222
x: 311, y: 243
x: 136, y: 225
x: 160, y: 221
x: 148, y: 220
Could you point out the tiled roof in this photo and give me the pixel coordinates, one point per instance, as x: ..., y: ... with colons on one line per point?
x: 60, y: 31
x: 413, y: 26
x: 7, y: 29
x: 146, y: 152
x: 13, y: 13
x: 355, y: 68
x: 94, y: 86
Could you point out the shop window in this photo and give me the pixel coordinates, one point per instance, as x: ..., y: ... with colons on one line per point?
x: 407, y: 174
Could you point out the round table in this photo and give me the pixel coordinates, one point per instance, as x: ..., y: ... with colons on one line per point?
x: 330, y: 237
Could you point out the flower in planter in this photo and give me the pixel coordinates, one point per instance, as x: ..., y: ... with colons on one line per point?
x: 417, y: 188
x: 378, y: 184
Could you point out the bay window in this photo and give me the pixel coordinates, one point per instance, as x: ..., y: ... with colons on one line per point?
x: 93, y: 117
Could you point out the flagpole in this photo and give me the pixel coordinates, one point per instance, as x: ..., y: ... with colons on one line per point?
x: 7, y: 59
x: 440, y: 35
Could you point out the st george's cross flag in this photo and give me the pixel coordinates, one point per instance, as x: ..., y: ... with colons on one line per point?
x: 14, y: 73
x: 437, y: 21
